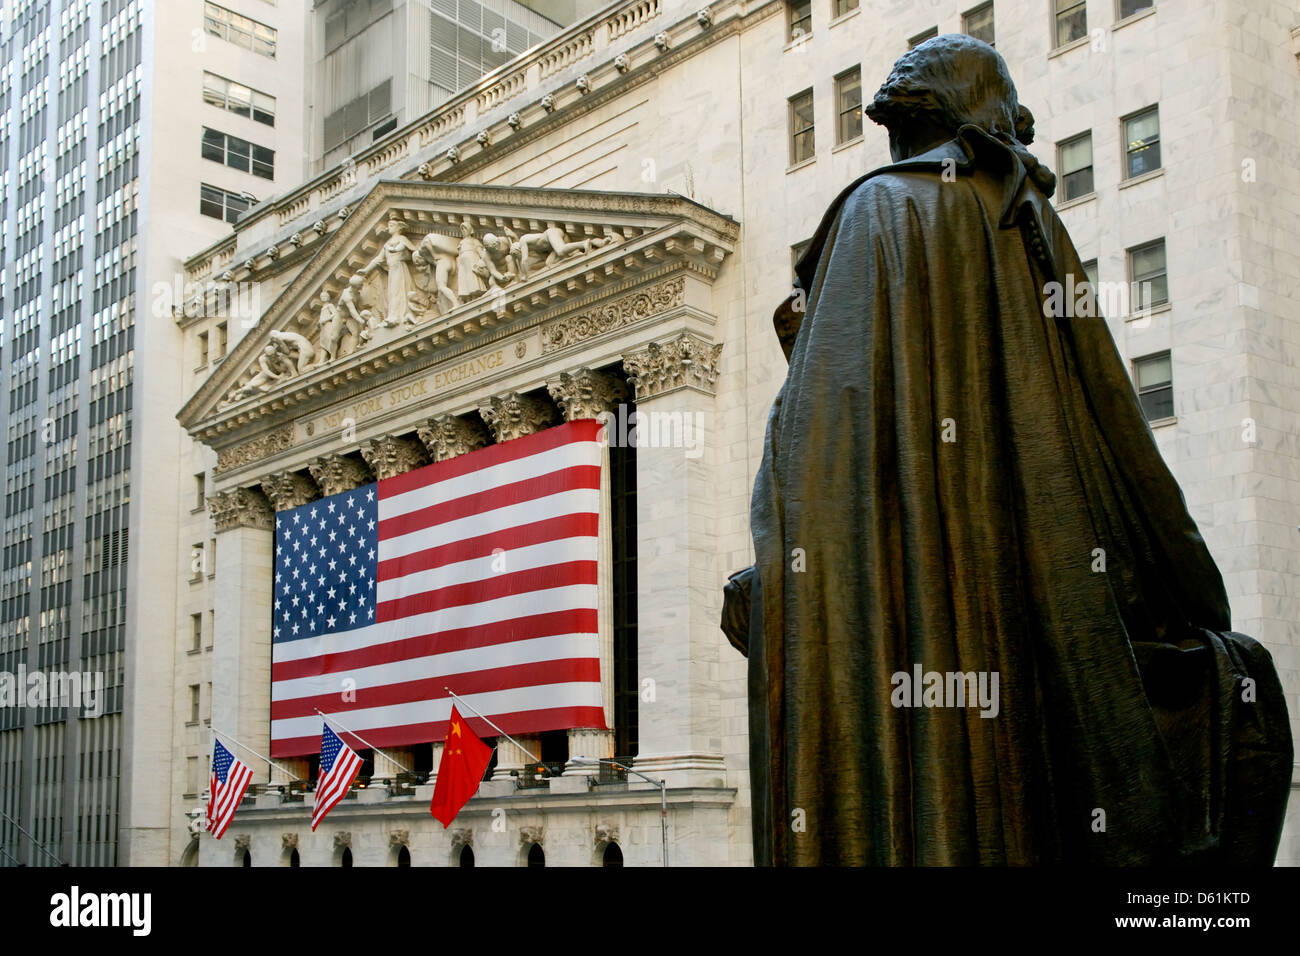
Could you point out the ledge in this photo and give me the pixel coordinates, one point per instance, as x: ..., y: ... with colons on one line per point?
x: 1143, y: 178
x: 802, y: 163
x: 1072, y: 45
x: 846, y: 16
x: 1076, y: 201
x: 855, y: 141
x: 1162, y: 422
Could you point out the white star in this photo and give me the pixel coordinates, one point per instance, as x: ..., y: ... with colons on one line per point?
x: 295, y: 600
x: 352, y: 619
x: 370, y: 495
x: 295, y: 628
x: 330, y: 620
x: 331, y: 507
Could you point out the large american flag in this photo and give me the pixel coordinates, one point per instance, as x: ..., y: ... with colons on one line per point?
x: 477, y: 573
x: 230, y: 778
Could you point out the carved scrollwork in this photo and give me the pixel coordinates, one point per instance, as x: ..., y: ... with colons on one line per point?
x: 686, y: 361
x: 388, y: 456
x: 585, y: 393
x: 613, y: 315
x: 334, y: 474
x: 255, y: 450
x: 450, y: 435
x: 513, y: 415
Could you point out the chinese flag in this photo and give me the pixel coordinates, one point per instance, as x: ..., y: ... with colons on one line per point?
x: 464, y: 758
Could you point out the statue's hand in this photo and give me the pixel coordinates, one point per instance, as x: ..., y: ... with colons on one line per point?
x: 736, y: 609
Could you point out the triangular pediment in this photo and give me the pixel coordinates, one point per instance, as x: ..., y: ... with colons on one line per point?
x: 420, y: 268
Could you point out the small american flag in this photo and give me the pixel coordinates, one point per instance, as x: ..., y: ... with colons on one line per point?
x: 338, y: 766
x: 477, y: 573
x: 230, y: 778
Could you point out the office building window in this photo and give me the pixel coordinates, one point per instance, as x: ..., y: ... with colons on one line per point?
x: 239, y: 30
x: 196, y: 561
x: 239, y: 99
x: 1090, y: 271
x: 848, y: 100
x: 800, y: 18
x: 219, y: 204
x: 1129, y: 7
x: 220, y: 341
x: 1074, y: 159
x: 196, y: 632
x: 1150, y: 282
x: 922, y: 37
x: 1153, y: 376
x: 200, y: 490
x: 1142, y: 142
x: 1071, y: 21
x: 979, y: 23
x: 802, y: 145
x: 203, y: 347
x: 845, y: 6
x: 238, y: 154
x: 194, y: 703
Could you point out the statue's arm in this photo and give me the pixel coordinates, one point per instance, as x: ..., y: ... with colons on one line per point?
x: 735, y: 608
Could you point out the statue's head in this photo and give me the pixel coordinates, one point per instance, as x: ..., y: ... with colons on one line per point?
x: 498, y: 245
x: 945, y: 83
x: 396, y: 226
x: 356, y: 281
x: 466, y: 230
x: 324, y: 297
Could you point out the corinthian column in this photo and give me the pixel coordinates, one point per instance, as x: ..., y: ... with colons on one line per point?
x: 335, y: 474
x: 388, y: 456
x: 241, y: 640
x: 678, y: 606
x: 589, y: 394
x: 447, y: 436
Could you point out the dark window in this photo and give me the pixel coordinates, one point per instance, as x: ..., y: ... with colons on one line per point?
x: 613, y: 856
x: 466, y: 855
x: 800, y: 18
x: 403, y: 856
x: 238, y: 154
x: 1142, y: 142
x: 848, y: 101
x: 294, y: 860
x: 238, y: 99
x: 1148, y: 275
x: 623, y: 524
x: 248, y: 857
x: 219, y: 204
x: 1071, y: 21
x: 845, y: 6
x: 1075, y: 163
x: 802, y: 145
x: 346, y: 859
x: 979, y: 23
x: 536, y: 855
x: 1153, y: 376
x: 922, y: 37
x: 1129, y: 7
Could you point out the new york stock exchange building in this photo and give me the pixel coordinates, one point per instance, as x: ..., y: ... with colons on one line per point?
x: 596, y: 234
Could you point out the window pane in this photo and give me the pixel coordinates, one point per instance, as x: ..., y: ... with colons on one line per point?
x: 240, y: 99
x: 263, y: 162
x: 1090, y: 270
x: 1076, y: 154
x: 214, y: 145
x: 800, y: 18
x: 801, y: 127
x: 979, y: 23
x: 1074, y: 185
x: 1129, y: 7
x: 844, y: 6
x: 849, y: 95
x: 1154, y: 371
x: 210, y: 203
x: 214, y: 90
x: 237, y: 151
x: 1148, y: 261
x: 1071, y: 21
x: 1142, y: 134
x: 1157, y: 404
x: 922, y: 37
x: 264, y: 108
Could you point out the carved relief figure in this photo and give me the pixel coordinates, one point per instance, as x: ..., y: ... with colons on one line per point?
x: 471, y: 264
x: 551, y: 244
x: 393, y: 258
x: 286, y: 355
x: 501, y: 251
x: 328, y: 323
x: 437, y: 255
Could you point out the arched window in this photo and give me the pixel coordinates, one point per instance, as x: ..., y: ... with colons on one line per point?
x: 293, y: 859
x: 536, y: 855
x: 467, y: 855
x: 403, y: 856
x: 613, y: 855
x: 346, y: 859
x: 248, y: 859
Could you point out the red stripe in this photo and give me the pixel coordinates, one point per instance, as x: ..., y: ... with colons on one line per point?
x: 579, y: 621
x: 520, y: 722
x: 499, y: 496
x: 544, y: 440
x: 545, y: 578
x: 569, y: 670
x: 584, y: 524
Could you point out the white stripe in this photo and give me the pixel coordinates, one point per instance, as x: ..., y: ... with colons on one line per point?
x: 493, y: 476
x: 571, y: 597
x: 227, y: 794
x: 536, y: 650
x: 545, y: 554
x: 541, y: 697
x: 572, y: 501
x: 334, y: 786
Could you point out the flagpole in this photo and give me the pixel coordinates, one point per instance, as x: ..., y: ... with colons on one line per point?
x: 250, y: 750
x: 325, y: 716
x: 522, y: 749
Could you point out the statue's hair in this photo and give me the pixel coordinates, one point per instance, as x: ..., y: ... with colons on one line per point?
x: 953, y: 80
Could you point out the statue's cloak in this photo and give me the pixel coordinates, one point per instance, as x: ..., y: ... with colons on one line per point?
x: 953, y: 480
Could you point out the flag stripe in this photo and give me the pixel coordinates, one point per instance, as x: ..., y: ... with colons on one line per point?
x: 424, y: 689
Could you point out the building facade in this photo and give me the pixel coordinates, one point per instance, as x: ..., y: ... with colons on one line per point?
x: 98, y: 100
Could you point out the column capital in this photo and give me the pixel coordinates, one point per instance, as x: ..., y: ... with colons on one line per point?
x: 388, y: 455
x: 338, y: 473
x: 586, y: 393
x: 514, y: 415
x: 289, y: 489
x: 447, y: 436
x: 241, y: 508
x: 686, y: 361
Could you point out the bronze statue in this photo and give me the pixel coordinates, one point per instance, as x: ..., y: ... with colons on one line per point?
x: 984, y: 627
